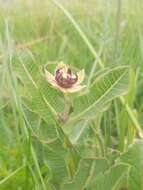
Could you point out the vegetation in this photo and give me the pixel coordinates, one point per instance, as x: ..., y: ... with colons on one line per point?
x: 88, y: 140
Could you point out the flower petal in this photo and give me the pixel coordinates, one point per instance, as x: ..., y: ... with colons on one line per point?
x: 51, y: 79
x: 81, y: 75
x: 62, y: 66
x: 75, y: 88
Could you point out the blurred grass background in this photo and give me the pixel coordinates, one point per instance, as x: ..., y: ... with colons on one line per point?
x: 114, y: 28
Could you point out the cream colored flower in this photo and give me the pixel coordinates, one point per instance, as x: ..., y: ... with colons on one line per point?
x: 65, y: 80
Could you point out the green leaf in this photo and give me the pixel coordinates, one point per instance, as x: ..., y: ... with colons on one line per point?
x: 75, y: 132
x: 40, y: 97
x: 110, y: 85
x: 55, y: 159
x: 134, y: 157
x: 88, y: 169
x: 111, y: 178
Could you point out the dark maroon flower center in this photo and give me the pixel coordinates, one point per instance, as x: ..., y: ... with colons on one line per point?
x: 65, y: 80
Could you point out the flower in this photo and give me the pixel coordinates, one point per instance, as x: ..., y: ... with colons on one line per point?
x: 65, y: 79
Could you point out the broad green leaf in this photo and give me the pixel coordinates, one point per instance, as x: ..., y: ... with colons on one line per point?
x: 47, y: 132
x: 110, y: 85
x: 88, y: 169
x: 41, y: 98
x: 74, y: 132
x: 55, y: 158
x: 134, y: 157
x: 111, y: 178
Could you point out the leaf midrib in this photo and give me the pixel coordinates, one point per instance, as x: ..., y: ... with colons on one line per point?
x: 100, y: 98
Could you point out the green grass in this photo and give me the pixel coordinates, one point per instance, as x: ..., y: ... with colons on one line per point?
x: 100, y: 145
